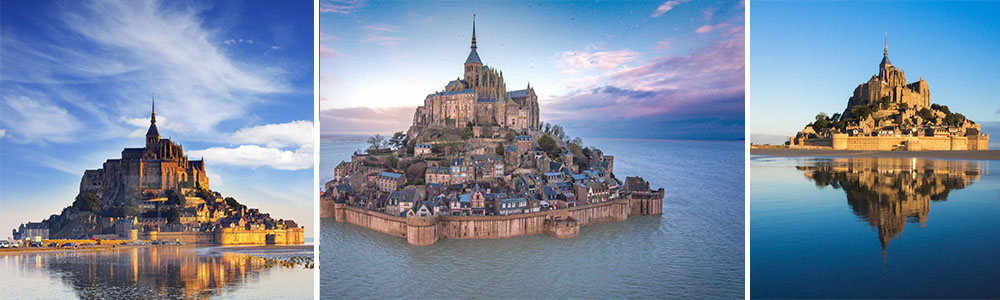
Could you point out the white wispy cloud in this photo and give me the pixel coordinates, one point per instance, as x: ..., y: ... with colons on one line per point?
x: 341, y: 6
x: 710, y: 27
x: 327, y: 52
x: 38, y: 120
x: 296, y: 133
x: 3, y: 133
x: 667, y: 6
x: 133, y: 48
x: 282, y: 146
x: 254, y: 156
x: 381, y: 27
x: 237, y: 41
x: 381, y: 34
x: 601, y: 60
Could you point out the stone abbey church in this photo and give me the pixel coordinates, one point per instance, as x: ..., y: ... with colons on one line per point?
x: 481, y: 98
x: 891, y: 82
x: 161, y: 165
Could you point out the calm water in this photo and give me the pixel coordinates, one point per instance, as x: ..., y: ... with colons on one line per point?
x: 694, y: 251
x: 873, y: 228
x: 164, y: 272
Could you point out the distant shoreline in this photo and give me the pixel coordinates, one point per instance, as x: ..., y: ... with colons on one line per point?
x: 971, y: 155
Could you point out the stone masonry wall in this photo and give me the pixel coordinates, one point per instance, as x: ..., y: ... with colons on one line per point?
x: 427, y: 230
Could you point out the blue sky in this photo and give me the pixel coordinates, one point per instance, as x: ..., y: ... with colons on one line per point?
x: 807, y: 58
x: 233, y: 83
x: 666, y: 69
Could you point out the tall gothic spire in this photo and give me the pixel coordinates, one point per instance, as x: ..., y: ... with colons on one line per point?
x: 885, y: 54
x: 473, y: 55
x: 473, y: 31
x: 152, y: 116
x: 152, y: 135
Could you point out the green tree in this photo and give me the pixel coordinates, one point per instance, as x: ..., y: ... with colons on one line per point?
x: 87, y: 202
x: 398, y: 140
x: 232, y: 203
x: 376, y: 142
x: 548, y: 144
x: 926, y: 113
x: 945, y: 110
x: 175, y: 198
x: 822, y: 116
x: 861, y: 111
x: 391, y: 161
x: 822, y: 121
x: 499, y: 149
x: 835, y: 117
x: 205, y: 194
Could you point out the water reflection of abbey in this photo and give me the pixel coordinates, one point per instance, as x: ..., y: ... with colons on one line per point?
x: 890, y: 192
x: 157, y: 272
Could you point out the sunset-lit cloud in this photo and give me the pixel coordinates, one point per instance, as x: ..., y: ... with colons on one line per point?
x: 667, y: 6
x: 340, y: 6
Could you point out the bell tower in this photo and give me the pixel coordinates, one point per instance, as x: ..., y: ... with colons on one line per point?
x: 152, y: 135
x: 473, y: 65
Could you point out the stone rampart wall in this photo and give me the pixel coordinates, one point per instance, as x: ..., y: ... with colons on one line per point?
x: 231, y: 236
x: 427, y: 230
x: 369, y: 219
x: 889, y: 143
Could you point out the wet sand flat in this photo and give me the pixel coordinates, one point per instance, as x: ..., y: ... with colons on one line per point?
x: 972, y: 155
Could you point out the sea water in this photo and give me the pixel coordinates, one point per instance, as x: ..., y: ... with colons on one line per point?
x: 694, y: 250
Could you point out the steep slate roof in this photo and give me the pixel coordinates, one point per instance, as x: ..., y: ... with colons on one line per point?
x: 473, y: 57
x: 517, y: 94
x: 465, y: 91
x: 390, y: 175
x: 152, y: 130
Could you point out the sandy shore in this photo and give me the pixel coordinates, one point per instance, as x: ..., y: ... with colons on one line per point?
x: 972, y: 155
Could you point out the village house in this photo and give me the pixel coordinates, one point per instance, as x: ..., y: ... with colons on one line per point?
x: 590, y: 193
x: 437, y: 175
x: 422, y: 149
x: 460, y: 172
x: 388, y: 181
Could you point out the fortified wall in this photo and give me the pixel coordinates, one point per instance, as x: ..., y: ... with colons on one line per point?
x: 889, y: 143
x: 232, y: 236
x: 560, y: 223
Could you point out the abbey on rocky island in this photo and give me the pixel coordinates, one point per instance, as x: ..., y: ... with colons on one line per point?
x: 479, y: 98
x: 887, y: 113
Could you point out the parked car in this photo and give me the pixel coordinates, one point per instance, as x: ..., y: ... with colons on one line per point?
x: 6, y: 244
x: 65, y: 245
x: 53, y: 245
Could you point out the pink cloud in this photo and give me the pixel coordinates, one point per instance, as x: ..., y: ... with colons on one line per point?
x: 663, y: 44
x: 708, y: 82
x: 328, y: 80
x: 667, y: 6
x: 365, y: 120
x: 381, y: 27
x: 602, y: 60
x: 326, y: 52
x: 341, y: 6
